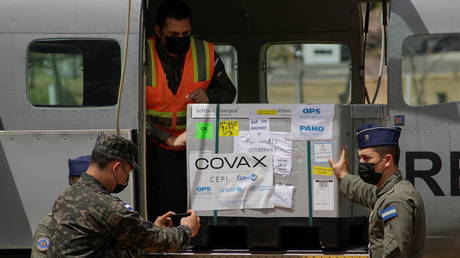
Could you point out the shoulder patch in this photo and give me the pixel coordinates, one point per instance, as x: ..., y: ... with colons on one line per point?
x: 388, y: 213
x: 127, y: 206
x: 43, y: 243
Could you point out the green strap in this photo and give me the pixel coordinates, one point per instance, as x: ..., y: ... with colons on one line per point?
x: 216, y: 149
x: 310, y: 191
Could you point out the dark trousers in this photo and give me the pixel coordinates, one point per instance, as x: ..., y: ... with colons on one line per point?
x: 166, y: 181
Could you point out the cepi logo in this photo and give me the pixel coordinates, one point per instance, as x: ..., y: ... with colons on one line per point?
x: 316, y: 111
x: 251, y: 177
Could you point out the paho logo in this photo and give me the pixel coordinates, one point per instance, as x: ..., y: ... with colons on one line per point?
x: 251, y: 177
x: 311, y: 128
x: 313, y: 111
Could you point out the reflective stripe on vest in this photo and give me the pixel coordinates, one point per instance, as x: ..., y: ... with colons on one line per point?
x: 164, y: 119
x: 201, y: 66
x: 152, y: 71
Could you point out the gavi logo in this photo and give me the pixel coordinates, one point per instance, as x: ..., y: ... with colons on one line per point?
x: 243, y: 178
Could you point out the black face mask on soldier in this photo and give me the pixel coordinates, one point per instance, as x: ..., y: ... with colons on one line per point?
x: 176, y: 45
x: 367, y: 173
x: 120, y: 187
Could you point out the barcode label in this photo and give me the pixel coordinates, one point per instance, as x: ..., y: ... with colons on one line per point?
x: 323, y: 195
x: 323, y: 183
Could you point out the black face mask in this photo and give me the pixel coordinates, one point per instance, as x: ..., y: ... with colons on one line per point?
x: 120, y: 187
x: 367, y: 173
x: 176, y: 45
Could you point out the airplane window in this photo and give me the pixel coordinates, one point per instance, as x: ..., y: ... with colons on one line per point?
x: 431, y: 69
x: 228, y: 55
x: 73, y: 73
x: 308, y: 73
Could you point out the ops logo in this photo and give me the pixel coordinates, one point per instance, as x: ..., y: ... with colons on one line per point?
x: 316, y: 111
x: 203, y: 189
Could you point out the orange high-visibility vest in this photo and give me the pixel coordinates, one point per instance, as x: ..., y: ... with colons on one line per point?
x: 169, y: 111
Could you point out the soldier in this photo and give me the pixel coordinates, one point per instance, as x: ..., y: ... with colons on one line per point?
x: 87, y: 221
x: 41, y: 238
x: 397, y: 220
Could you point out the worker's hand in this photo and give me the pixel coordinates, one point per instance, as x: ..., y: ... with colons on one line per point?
x: 341, y: 167
x: 193, y: 221
x: 164, y: 221
x: 177, y: 142
x: 199, y: 96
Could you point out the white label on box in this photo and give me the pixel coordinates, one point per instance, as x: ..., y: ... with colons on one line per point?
x: 231, y: 181
x: 312, y: 122
x: 276, y: 143
x: 323, y: 195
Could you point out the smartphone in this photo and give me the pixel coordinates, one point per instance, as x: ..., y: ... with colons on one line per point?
x: 177, y: 217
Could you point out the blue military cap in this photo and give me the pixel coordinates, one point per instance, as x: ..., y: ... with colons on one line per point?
x: 79, y: 165
x: 372, y: 135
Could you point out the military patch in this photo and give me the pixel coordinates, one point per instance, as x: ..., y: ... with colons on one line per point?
x: 43, y: 243
x: 127, y: 206
x: 388, y: 213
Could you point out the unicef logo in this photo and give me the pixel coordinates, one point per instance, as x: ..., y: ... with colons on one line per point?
x: 243, y: 178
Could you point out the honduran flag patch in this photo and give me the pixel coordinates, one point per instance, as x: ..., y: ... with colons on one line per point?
x: 388, y: 213
x: 127, y: 206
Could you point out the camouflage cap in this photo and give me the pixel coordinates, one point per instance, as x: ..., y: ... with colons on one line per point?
x: 116, y: 147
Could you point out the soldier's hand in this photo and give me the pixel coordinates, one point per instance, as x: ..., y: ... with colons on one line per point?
x: 193, y: 221
x: 164, y: 221
x: 199, y: 95
x: 341, y: 167
x: 177, y: 141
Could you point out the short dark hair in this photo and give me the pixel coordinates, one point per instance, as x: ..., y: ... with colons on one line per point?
x: 172, y: 9
x: 389, y: 149
x: 100, y: 159
x: 73, y: 179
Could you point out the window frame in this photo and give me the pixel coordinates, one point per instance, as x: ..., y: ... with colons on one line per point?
x: 110, y: 41
x: 303, y: 42
x: 403, y: 50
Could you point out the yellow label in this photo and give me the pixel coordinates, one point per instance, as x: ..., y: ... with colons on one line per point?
x: 266, y: 112
x: 323, y: 171
x: 229, y: 128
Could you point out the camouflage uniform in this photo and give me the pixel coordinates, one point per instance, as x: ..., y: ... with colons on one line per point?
x: 41, y: 238
x: 87, y: 221
x: 390, y: 236
x: 41, y: 241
